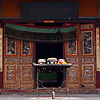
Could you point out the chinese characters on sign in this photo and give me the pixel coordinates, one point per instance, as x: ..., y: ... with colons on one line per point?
x: 50, y: 11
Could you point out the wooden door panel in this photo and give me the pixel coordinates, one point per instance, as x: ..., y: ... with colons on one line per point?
x: 88, y: 73
x: 88, y: 56
x: 87, y: 43
x: 73, y: 76
x: 10, y: 76
x: 83, y: 58
x: 26, y: 76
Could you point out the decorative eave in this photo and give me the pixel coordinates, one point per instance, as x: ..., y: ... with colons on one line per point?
x: 37, y: 33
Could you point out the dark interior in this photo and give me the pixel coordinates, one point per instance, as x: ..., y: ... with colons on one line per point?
x: 44, y: 51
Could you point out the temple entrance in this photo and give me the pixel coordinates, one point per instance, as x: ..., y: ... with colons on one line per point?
x: 50, y: 77
x: 46, y: 50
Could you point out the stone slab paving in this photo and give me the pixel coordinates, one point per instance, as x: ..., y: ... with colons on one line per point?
x: 68, y: 97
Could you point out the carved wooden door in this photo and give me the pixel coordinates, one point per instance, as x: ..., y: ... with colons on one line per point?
x: 18, y: 70
x: 82, y: 53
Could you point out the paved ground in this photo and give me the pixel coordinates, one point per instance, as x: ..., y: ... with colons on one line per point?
x: 48, y: 97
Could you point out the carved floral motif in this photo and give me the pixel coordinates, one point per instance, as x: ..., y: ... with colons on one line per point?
x: 25, y: 73
x: 10, y: 45
x: 11, y: 73
x: 72, y: 47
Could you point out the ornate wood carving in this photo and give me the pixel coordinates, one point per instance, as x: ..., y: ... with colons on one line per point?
x: 87, y: 43
x: 26, y: 73
x: 26, y: 48
x: 89, y: 85
x: 11, y: 46
x: 26, y: 85
x: 73, y: 73
x: 10, y: 76
x: 25, y: 60
x: 87, y: 60
x: 87, y: 26
x: 72, y: 60
x: 16, y: 74
x: 11, y: 60
x: 73, y: 76
x: 10, y: 85
x: 88, y: 73
x: 72, y: 85
x: 72, y: 47
x: 84, y: 60
x: 11, y: 72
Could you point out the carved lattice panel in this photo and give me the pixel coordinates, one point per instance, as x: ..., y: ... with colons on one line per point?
x: 87, y: 73
x: 10, y: 76
x: 10, y: 46
x: 26, y: 74
x: 72, y: 47
x: 26, y: 48
x: 87, y: 43
x: 73, y: 73
x: 87, y: 26
x: 11, y: 72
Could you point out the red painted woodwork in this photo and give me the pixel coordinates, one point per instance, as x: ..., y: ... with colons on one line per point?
x: 98, y: 79
x: 11, y: 9
x: 89, y: 8
x: 80, y: 76
x: 1, y: 80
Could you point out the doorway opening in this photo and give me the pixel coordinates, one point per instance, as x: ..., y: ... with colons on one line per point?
x: 50, y: 77
x: 46, y: 50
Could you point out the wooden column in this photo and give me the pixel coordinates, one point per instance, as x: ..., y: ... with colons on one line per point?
x: 1, y: 58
